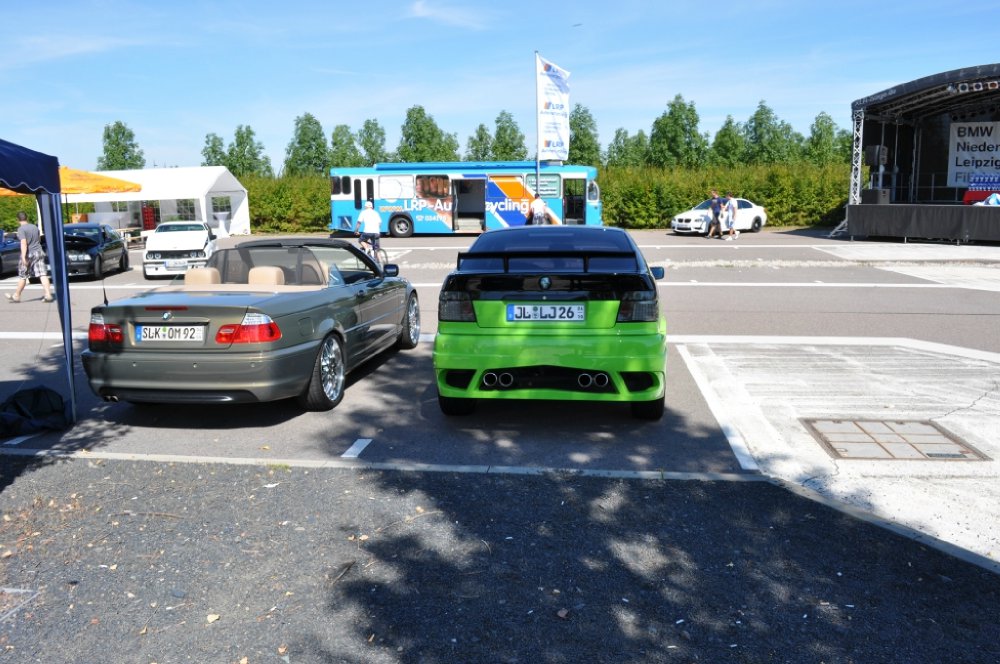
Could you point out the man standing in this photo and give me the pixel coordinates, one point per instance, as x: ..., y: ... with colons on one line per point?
x: 730, y: 215
x: 32, y: 263
x: 715, y: 206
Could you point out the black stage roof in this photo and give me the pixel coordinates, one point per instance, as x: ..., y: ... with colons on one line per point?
x: 961, y: 93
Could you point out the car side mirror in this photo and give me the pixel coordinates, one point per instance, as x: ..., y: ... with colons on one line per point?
x: 658, y: 271
x: 390, y: 270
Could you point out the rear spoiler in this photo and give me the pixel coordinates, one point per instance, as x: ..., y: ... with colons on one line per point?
x: 505, y: 256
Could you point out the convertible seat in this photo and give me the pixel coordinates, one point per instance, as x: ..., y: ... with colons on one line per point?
x: 266, y: 275
x: 202, y: 275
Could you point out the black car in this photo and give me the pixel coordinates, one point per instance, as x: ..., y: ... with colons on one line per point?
x: 94, y: 249
x: 10, y: 252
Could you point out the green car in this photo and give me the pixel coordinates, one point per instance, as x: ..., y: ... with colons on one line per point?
x: 551, y: 312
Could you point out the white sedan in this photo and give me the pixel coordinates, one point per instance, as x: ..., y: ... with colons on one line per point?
x: 176, y: 246
x: 749, y: 217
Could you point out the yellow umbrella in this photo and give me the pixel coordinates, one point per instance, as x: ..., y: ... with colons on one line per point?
x: 74, y: 181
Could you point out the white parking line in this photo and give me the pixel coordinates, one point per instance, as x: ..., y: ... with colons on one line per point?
x: 355, y: 450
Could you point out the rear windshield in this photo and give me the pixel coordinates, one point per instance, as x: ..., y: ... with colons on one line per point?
x: 539, y: 250
x: 178, y: 228
x: 552, y: 239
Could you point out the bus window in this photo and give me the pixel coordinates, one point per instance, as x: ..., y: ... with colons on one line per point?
x: 340, y: 185
x: 432, y: 186
x: 370, y: 189
x: 549, y: 187
x: 357, y: 195
x: 593, y: 191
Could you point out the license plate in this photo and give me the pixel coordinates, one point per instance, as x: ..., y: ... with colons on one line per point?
x: 558, y: 313
x: 177, y: 263
x: 169, y: 333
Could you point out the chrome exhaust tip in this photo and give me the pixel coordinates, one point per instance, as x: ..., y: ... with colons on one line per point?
x: 489, y: 379
x: 601, y: 380
x: 506, y: 380
x: 584, y: 380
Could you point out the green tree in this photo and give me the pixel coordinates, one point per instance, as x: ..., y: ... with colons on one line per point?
x: 627, y: 151
x: 821, y: 146
x: 371, y: 139
x: 422, y: 140
x: 121, y: 152
x: 214, y: 152
x: 307, y: 152
x: 479, y: 147
x: 343, y: 148
x: 508, y: 141
x: 584, y: 146
x: 245, y: 156
x: 769, y: 140
x: 844, y: 146
x: 729, y: 144
x: 675, y: 140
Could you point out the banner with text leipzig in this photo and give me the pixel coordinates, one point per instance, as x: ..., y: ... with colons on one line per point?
x: 553, y: 110
x: 974, y: 149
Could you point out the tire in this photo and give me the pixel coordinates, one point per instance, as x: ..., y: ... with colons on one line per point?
x: 409, y: 335
x: 400, y: 226
x: 98, y: 268
x: 326, y: 386
x: 648, y: 410
x: 123, y: 262
x: 455, y: 406
x: 755, y: 226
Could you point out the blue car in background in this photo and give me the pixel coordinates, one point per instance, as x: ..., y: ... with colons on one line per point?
x: 93, y: 250
x: 10, y: 252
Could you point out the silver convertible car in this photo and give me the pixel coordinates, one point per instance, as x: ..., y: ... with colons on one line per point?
x: 265, y: 319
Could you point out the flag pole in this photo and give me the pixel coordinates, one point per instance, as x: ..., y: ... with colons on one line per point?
x: 538, y: 135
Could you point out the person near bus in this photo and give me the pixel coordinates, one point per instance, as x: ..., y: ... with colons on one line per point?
x: 538, y: 214
x: 369, y: 226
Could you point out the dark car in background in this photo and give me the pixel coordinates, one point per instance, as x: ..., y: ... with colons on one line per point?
x: 93, y: 250
x: 10, y: 253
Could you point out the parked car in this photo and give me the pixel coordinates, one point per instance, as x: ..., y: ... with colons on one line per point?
x: 264, y: 320
x: 94, y: 249
x: 175, y: 246
x: 554, y: 313
x: 749, y: 217
x: 10, y: 252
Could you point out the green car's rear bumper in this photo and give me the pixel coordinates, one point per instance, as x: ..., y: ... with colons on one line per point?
x: 625, y: 363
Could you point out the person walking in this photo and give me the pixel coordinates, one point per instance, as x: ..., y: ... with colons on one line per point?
x: 715, y: 204
x: 730, y: 216
x: 538, y: 213
x: 32, y: 262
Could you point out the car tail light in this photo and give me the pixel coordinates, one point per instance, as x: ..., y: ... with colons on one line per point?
x: 638, y: 307
x: 456, y: 306
x: 256, y: 328
x: 102, y: 336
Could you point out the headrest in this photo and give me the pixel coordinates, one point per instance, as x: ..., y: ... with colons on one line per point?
x: 202, y: 275
x: 266, y: 275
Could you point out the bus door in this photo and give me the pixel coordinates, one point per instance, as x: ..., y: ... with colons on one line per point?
x: 574, y: 193
x: 507, y: 201
x: 470, y: 203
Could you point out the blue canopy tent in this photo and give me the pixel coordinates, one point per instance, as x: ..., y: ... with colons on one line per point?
x: 28, y: 172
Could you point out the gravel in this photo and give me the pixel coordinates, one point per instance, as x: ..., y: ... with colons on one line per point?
x: 133, y: 561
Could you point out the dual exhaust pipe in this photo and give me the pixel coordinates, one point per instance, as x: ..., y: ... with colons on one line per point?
x: 505, y: 380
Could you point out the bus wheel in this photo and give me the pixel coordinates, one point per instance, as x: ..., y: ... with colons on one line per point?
x: 400, y: 227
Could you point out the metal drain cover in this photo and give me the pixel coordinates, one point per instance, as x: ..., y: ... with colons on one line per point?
x: 892, y: 440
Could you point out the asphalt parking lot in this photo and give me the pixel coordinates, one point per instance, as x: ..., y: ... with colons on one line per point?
x: 768, y: 335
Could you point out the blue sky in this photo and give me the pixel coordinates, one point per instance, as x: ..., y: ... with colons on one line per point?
x: 177, y: 71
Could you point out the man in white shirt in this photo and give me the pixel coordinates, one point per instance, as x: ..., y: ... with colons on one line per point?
x: 729, y: 210
x: 369, y: 226
x: 538, y: 214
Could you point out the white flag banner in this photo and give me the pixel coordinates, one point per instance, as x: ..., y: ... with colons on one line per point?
x: 553, y: 110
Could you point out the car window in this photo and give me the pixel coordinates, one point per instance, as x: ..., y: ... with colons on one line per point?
x: 704, y: 205
x: 744, y: 205
x: 92, y: 233
x: 547, y: 238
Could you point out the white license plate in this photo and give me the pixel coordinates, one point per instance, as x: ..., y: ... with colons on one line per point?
x: 174, y: 264
x: 554, y: 313
x: 169, y: 333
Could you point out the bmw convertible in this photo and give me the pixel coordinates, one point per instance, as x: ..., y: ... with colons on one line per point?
x: 265, y: 319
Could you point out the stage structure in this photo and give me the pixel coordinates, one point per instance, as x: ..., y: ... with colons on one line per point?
x: 932, y: 148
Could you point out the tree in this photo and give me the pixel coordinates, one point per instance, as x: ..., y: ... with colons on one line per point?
x: 584, y: 148
x: 480, y: 145
x: 729, y: 145
x: 371, y: 139
x: 245, y: 155
x: 675, y: 140
x: 769, y: 140
x: 508, y: 141
x: 121, y: 152
x: 214, y: 152
x: 627, y: 151
x: 343, y: 148
x: 422, y: 140
x: 307, y: 152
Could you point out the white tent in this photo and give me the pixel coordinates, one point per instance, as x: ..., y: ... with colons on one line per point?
x: 204, y: 193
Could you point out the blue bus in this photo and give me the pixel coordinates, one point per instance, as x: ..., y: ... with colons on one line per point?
x: 462, y: 197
